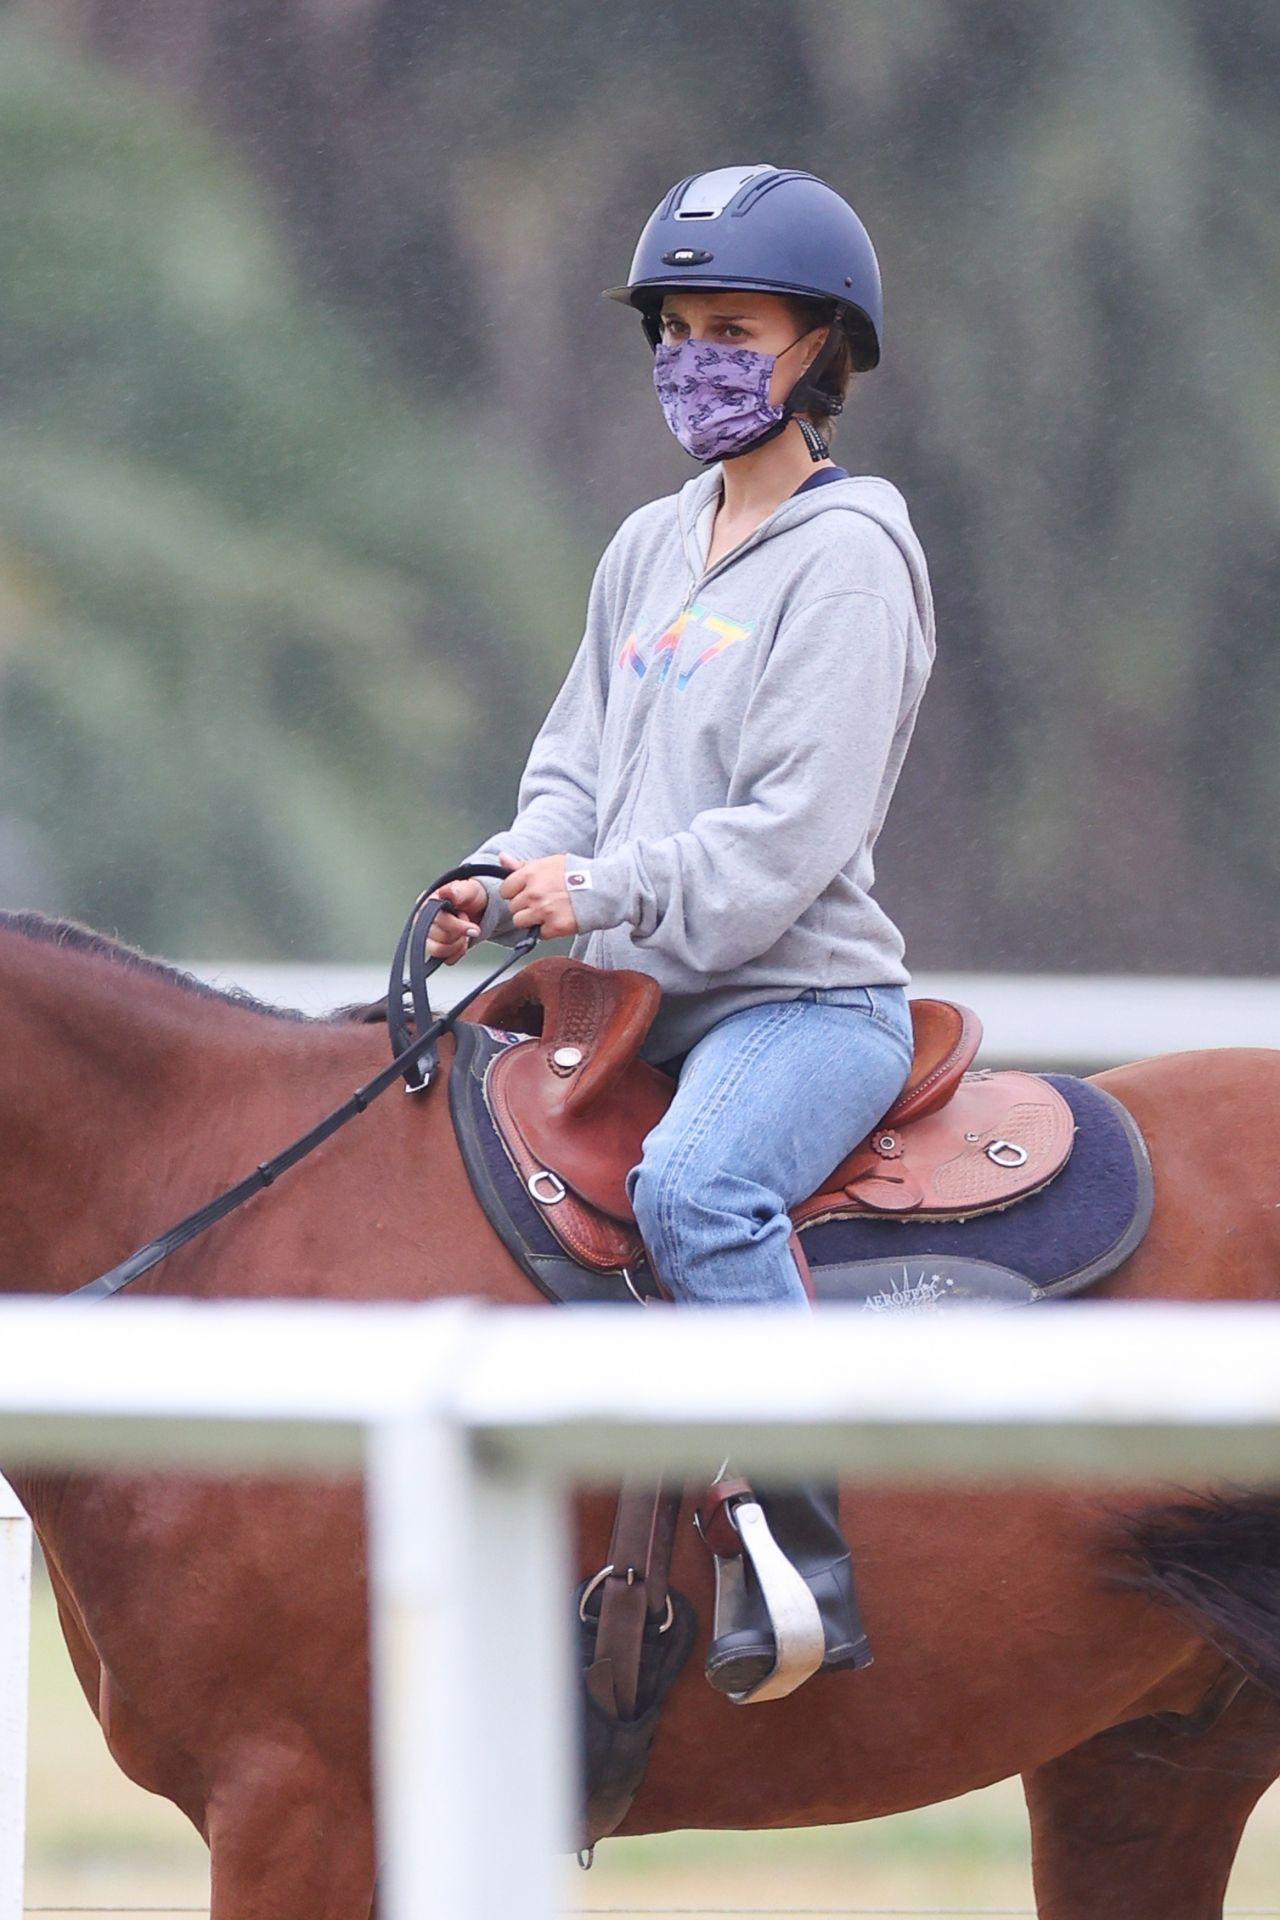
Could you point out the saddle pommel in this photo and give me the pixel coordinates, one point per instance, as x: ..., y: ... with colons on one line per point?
x: 590, y: 1022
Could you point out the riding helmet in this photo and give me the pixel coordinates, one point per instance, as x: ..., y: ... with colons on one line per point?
x: 762, y: 227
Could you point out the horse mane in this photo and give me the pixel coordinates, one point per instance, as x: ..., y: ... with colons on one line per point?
x: 99, y: 946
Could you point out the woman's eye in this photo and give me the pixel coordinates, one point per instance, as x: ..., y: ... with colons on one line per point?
x: 732, y: 331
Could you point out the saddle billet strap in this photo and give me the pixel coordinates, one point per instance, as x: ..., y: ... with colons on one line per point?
x: 635, y: 1588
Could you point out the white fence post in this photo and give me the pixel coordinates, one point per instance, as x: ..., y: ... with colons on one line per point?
x: 473, y: 1691
x: 15, y: 1640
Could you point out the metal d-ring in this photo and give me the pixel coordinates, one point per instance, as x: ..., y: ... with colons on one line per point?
x: 545, y: 1199
x: 641, y: 1299
x: 598, y: 1580
x: 1006, y: 1153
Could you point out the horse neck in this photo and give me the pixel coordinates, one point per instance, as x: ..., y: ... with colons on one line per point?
x: 105, y: 1108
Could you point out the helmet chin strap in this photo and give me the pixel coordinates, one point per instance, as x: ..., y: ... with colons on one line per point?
x: 812, y: 438
x: 803, y: 394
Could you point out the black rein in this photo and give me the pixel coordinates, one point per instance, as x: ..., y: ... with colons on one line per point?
x: 414, y: 1061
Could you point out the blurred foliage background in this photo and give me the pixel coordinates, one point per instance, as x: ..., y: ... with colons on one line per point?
x: 314, y: 426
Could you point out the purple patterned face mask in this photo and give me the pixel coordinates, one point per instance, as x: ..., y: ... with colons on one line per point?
x: 716, y: 399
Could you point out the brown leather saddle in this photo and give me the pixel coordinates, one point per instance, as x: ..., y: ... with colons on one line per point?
x: 574, y: 1102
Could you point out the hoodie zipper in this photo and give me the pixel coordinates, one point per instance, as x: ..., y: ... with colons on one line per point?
x: 696, y: 584
x: 761, y: 533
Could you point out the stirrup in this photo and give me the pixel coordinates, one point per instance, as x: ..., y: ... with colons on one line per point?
x: 793, y: 1612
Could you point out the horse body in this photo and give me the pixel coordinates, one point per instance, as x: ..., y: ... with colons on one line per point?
x: 220, y: 1630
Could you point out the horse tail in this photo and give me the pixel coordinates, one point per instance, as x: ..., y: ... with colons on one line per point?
x: 1215, y: 1560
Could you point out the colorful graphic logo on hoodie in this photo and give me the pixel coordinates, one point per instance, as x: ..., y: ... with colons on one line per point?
x: 722, y: 633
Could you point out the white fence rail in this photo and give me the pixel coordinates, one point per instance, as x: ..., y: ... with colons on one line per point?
x: 472, y: 1423
x: 1069, y: 1022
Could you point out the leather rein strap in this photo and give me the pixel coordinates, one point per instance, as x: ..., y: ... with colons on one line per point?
x: 414, y: 1061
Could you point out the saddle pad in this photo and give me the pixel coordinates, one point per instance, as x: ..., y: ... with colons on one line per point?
x: 1055, y: 1242
x: 1072, y: 1233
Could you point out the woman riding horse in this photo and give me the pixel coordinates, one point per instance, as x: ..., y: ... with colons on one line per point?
x: 703, y: 800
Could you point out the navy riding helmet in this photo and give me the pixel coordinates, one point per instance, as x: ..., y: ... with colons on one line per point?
x: 767, y: 228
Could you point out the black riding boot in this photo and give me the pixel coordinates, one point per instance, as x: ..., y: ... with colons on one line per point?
x: 805, y: 1523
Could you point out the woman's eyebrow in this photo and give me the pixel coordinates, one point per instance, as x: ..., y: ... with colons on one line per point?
x: 673, y: 313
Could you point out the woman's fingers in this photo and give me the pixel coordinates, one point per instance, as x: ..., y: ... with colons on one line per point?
x: 455, y: 928
x: 465, y: 902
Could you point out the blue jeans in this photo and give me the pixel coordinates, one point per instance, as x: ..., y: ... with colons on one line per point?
x: 767, y: 1104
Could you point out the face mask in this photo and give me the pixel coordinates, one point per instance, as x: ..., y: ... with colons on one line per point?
x: 715, y: 399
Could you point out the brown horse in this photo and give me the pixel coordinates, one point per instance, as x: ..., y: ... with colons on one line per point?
x: 219, y: 1630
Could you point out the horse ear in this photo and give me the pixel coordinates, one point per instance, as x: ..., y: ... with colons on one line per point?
x: 372, y: 1013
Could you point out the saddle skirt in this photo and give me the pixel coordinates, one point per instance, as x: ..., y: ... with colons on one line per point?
x: 571, y: 1102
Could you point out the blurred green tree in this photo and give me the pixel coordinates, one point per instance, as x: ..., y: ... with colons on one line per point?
x: 1076, y: 216
x: 253, y: 636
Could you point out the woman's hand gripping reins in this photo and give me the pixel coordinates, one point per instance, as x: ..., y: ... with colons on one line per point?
x: 535, y: 891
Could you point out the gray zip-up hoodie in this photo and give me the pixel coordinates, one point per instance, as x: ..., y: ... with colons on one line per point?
x: 721, y: 756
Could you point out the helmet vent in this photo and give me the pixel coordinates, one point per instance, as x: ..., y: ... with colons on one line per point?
x: 705, y: 196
